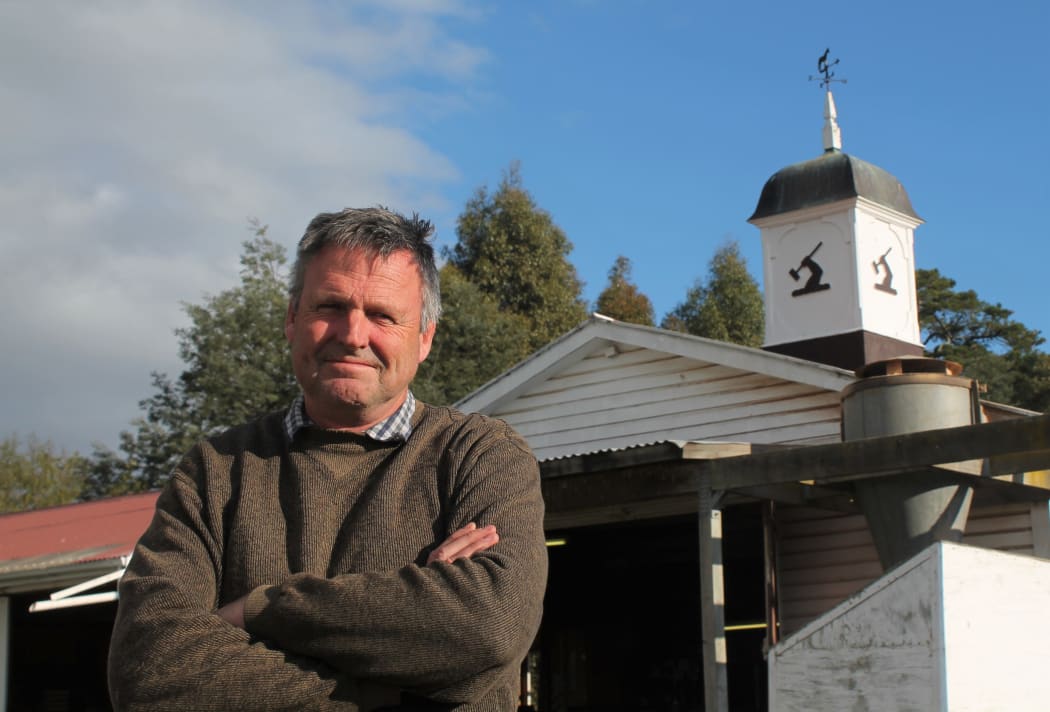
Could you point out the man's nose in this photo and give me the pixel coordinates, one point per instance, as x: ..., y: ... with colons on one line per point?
x: 354, y: 329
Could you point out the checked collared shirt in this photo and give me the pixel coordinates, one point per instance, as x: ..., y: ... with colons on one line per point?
x: 397, y: 427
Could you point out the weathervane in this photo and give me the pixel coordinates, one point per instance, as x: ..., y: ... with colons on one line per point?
x: 824, y: 67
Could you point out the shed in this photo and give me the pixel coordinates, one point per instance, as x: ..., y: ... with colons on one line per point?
x: 649, y: 442
x: 58, y: 572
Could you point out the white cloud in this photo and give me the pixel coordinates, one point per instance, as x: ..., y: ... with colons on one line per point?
x: 137, y: 137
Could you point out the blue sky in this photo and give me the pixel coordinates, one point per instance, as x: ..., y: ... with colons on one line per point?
x: 138, y: 137
x: 648, y: 129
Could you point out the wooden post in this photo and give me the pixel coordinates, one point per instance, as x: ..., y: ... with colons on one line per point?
x: 712, y: 601
x: 769, y: 562
x: 1041, y: 530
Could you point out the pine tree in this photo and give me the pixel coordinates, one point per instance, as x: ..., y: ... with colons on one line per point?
x: 621, y: 299
x: 1001, y: 353
x: 511, y: 250
x: 474, y: 342
x: 728, y: 307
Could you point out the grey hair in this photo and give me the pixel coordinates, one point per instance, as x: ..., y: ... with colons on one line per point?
x: 380, y: 232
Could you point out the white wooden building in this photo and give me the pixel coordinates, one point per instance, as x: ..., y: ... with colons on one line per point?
x: 623, y: 419
x: 621, y: 416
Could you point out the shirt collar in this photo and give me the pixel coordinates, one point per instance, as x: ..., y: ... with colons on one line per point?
x: 396, y: 427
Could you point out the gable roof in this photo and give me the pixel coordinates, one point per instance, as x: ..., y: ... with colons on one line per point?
x: 609, y: 384
x: 603, y: 332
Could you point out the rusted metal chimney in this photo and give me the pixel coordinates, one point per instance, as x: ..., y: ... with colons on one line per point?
x: 907, y: 512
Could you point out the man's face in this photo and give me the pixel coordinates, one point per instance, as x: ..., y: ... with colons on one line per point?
x: 355, y: 337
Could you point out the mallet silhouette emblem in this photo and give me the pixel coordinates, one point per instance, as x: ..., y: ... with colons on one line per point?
x: 813, y: 284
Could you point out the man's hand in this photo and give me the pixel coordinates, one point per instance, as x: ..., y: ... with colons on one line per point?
x: 233, y: 612
x: 464, y: 543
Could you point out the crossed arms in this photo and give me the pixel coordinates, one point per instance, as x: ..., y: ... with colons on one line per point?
x: 462, y: 544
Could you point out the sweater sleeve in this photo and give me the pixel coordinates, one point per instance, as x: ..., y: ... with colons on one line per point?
x: 449, y: 632
x: 169, y: 649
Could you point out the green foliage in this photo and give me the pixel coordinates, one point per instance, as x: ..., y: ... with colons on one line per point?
x: 474, y: 342
x: 37, y: 475
x: 621, y: 299
x: 237, y: 359
x: 511, y: 250
x: 1001, y: 353
x: 109, y: 473
x: 728, y: 307
x: 237, y: 368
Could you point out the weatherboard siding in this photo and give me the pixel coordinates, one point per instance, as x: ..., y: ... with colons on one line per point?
x: 641, y: 396
x: 732, y: 426
x: 825, y: 557
x: 571, y: 418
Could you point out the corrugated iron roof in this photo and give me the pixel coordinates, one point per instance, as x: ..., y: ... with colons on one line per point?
x: 663, y: 451
x: 74, y: 533
x: 635, y: 446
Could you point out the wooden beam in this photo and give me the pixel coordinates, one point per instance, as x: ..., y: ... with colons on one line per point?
x: 887, y: 455
x: 804, y: 495
x: 1040, y: 514
x: 619, y: 487
x: 664, y: 481
x: 1033, y: 463
x: 705, y: 450
x: 712, y: 603
x: 618, y: 513
x: 769, y: 566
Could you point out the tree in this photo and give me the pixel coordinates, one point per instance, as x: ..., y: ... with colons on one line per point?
x: 37, y: 475
x: 474, y: 342
x: 728, y: 307
x: 621, y: 299
x: 995, y: 349
x: 511, y: 250
x: 237, y: 368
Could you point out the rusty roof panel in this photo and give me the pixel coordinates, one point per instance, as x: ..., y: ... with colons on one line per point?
x: 102, y: 529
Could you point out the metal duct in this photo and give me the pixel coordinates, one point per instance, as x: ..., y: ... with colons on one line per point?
x: 907, y: 512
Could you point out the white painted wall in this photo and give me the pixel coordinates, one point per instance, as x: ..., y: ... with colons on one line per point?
x: 852, y: 236
x: 893, y: 315
x: 996, y: 630
x: 875, y: 651
x: 833, y: 311
x: 956, y: 628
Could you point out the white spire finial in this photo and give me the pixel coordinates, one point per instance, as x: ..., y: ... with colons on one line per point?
x: 832, y: 132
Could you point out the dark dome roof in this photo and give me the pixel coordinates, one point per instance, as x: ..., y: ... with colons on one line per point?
x: 831, y: 177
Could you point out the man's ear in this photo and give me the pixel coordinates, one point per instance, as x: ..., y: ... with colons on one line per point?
x: 289, y: 320
x: 426, y: 340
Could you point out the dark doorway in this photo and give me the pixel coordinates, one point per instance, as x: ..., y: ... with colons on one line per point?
x: 621, y: 627
x: 58, y: 658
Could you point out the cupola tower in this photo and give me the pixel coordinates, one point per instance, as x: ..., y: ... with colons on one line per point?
x: 838, y: 258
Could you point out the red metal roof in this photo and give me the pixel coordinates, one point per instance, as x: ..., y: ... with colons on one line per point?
x: 102, y: 529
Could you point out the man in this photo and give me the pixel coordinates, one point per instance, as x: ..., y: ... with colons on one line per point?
x: 362, y: 549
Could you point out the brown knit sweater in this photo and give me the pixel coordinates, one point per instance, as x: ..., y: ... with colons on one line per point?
x: 329, y: 534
